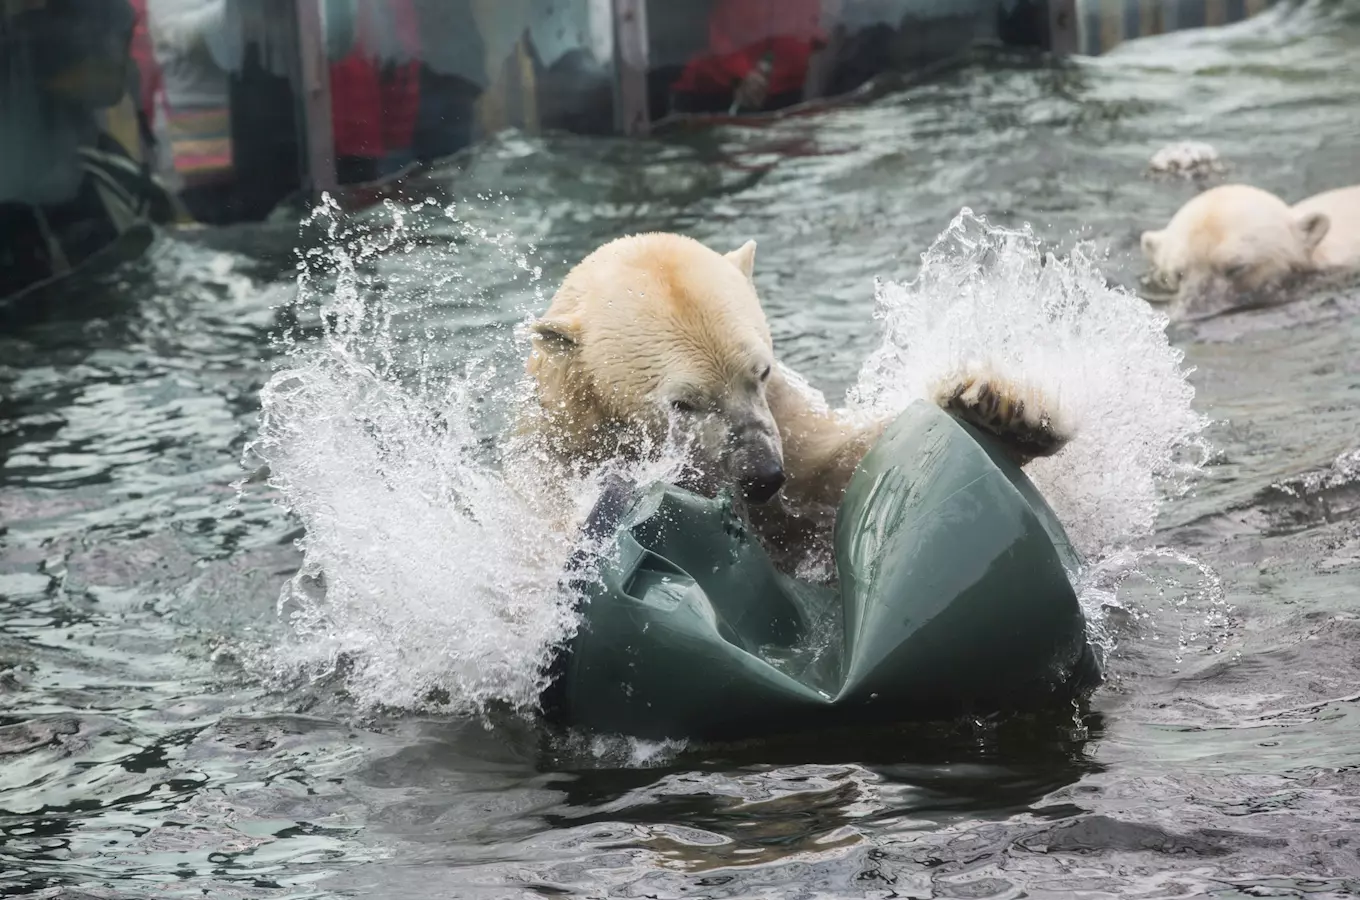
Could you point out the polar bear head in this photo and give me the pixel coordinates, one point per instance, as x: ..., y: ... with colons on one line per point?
x: 1233, y: 245
x: 655, y: 337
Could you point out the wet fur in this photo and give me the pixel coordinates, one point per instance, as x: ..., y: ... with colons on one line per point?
x: 1013, y: 412
x: 663, y: 301
x: 1236, y: 246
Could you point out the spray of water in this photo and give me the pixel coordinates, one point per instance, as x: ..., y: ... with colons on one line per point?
x: 1187, y: 159
x: 432, y: 567
x: 430, y: 576
x: 991, y: 295
x: 1176, y: 595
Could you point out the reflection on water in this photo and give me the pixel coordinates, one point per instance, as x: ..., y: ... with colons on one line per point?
x: 141, y: 757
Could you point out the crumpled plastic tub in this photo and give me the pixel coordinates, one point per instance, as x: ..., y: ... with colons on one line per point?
x: 954, y: 598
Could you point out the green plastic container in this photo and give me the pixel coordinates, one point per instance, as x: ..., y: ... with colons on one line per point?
x: 954, y: 598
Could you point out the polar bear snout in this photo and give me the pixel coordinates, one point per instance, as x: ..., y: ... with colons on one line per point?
x: 755, y: 455
x: 1205, y: 295
x: 731, y: 442
x: 762, y: 481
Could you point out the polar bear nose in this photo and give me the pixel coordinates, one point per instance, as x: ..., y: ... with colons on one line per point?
x: 762, y: 483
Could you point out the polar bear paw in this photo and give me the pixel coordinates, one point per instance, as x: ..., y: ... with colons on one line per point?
x: 1022, y: 416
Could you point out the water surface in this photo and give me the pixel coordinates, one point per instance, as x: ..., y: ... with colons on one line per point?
x: 144, y: 756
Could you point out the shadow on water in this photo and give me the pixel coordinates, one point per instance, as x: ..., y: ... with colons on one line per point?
x: 143, y: 757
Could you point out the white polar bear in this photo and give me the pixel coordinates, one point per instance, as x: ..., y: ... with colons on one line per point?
x: 1239, y: 246
x: 656, y: 333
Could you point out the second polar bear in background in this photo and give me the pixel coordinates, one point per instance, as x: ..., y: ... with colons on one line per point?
x: 655, y: 338
x: 1239, y: 246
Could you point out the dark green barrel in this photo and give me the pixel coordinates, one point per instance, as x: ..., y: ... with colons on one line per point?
x: 954, y: 597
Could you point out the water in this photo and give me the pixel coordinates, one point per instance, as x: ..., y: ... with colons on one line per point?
x: 157, y: 742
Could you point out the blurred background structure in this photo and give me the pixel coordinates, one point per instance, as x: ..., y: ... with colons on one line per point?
x: 121, y: 113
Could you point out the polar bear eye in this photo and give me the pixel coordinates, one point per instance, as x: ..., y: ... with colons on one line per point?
x: 684, y: 406
x: 1235, y: 271
x: 765, y: 374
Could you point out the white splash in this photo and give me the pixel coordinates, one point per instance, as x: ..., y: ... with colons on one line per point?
x: 430, y: 576
x: 1187, y: 159
x: 990, y: 294
x: 1156, y: 590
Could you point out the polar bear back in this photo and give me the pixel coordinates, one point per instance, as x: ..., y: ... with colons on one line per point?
x: 1341, y: 246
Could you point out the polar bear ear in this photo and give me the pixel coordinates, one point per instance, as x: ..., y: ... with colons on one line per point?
x: 1313, y: 227
x: 744, y: 258
x: 1151, y: 242
x: 557, y: 334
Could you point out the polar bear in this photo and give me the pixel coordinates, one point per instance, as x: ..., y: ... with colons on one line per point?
x: 1239, y: 246
x: 657, y: 336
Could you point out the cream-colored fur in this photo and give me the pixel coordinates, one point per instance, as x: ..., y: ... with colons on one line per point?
x: 1239, y: 245
x: 1340, y: 246
x: 655, y: 335
x: 648, y: 334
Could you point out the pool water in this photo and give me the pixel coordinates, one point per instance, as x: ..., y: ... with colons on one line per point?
x: 170, y: 729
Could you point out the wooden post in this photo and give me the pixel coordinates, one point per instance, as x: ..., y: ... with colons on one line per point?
x: 316, y: 97
x: 824, y: 60
x: 1063, y: 28
x: 630, y: 67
